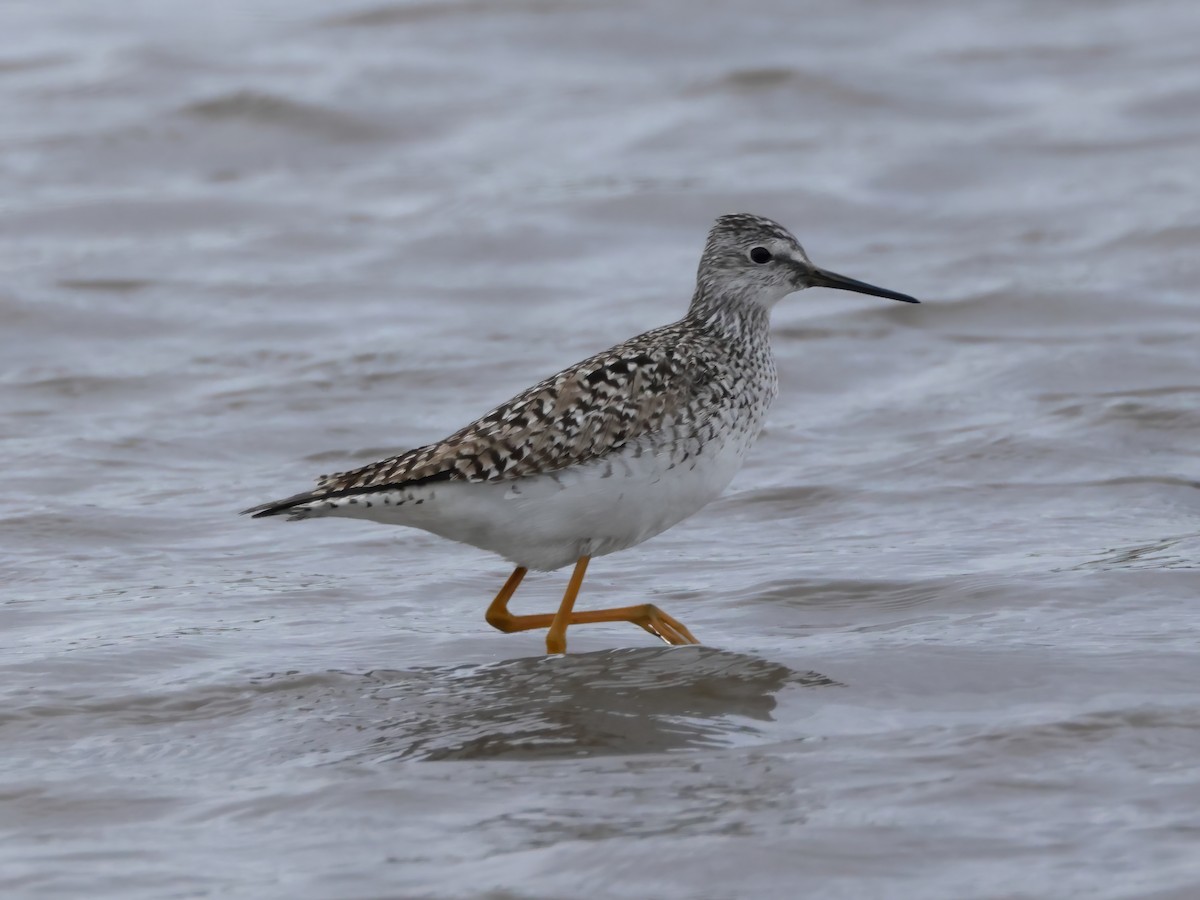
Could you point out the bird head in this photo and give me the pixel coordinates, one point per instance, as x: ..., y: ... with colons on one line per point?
x: 751, y: 259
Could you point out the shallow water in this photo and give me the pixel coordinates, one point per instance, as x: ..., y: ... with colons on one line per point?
x: 949, y: 607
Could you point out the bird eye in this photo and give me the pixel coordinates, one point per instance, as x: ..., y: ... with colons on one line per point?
x: 761, y: 255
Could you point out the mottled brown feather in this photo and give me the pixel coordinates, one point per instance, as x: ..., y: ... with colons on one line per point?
x: 582, y: 413
x: 670, y: 390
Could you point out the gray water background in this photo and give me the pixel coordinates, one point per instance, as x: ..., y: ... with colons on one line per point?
x: 949, y: 608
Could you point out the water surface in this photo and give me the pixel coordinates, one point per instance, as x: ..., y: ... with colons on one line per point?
x: 948, y: 609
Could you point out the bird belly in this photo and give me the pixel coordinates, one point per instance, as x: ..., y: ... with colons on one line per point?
x: 549, y: 520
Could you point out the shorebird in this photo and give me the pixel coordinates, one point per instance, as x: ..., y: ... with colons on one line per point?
x: 610, y: 451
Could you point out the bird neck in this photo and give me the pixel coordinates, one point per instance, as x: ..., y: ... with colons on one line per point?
x: 730, y: 316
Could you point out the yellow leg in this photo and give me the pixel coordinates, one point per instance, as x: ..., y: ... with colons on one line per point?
x: 556, y: 637
x: 497, y: 614
x: 645, y: 615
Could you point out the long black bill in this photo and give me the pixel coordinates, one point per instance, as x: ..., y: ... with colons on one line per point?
x: 825, y: 278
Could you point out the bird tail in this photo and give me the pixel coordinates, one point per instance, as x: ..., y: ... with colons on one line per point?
x: 293, y: 507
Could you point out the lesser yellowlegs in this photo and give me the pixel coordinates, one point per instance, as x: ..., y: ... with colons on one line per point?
x: 610, y: 451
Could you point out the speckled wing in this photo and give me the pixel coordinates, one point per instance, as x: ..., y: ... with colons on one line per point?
x: 583, y: 413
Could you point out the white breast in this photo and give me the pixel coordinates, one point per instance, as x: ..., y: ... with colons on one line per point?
x: 549, y: 521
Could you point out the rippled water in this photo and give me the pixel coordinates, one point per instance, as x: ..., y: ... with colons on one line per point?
x: 949, y: 608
